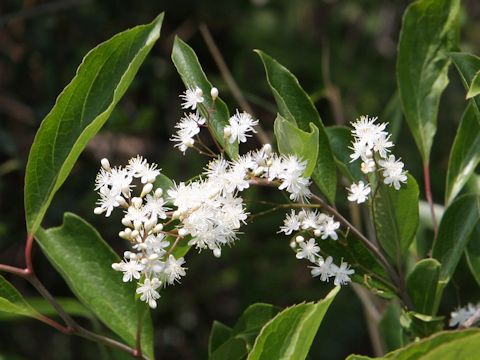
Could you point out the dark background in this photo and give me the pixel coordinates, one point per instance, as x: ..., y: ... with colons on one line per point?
x: 343, y: 53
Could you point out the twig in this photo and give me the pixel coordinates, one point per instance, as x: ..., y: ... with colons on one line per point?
x: 229, y: 80
x: 428, y: 195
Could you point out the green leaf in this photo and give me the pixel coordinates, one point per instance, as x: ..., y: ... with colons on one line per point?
x: 191, y: 72
x: 473, y: 253
x: 296, y: 106
x: 422, y: 286
x: 12, y: 302
x: 393, y: 115
x: 421, y: 325
x: 465, y: 154
x: 290, y: 334
x: 70, y: 305
x: 456, y: 227
x: 440, y: 345
x: 79, y: 113
x: 292, y: 140
x: 428, y: 32
x: 395, y: 214
x: 468, y: 66
x: 474, y: 89
x: 242, y: 336
x: 85, y: 260
x: 425, y: 348
x: 390, y: 327
x: 340, y: 138
x: 219, y: 334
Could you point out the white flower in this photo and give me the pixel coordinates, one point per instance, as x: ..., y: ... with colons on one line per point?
x: 461, y: 315
x: 131, y: 269
x: 382, y: 144
x: 393, y: 172
x: 155, y: 206
x: 290, y: 224
x: 329, y: 228
x: 173, y: 269
x: 359, y: 192
x: 137, y: 166
x: 342, y: 273
x: 121, y: 181
x: 107, y: 201
x: 323, y: 268
x: 367, y: 132
x: 136, y: 215
x: 240, y: 125
x: 148, y: 291
x: 191, y: 97
x: 309, y: 250
x: 156, y: 244
x: 103, y: 179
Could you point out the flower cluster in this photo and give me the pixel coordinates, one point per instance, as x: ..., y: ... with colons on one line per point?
x: 152, y: 263
x: 320, y: 225
x: 238, y: 129
x: 461, y: 315
x: 372, y: 145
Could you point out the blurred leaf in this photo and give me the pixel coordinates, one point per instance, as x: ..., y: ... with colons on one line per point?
x: 11, y: 301
x: 474, y: 89
x: 435, y: 345
x: 219, y: 334
x: 468, y: 66
x: 422, y: 285
x: 428, y: 32
x: 290, y: 334
x: 395, y: 214
x: 70, y: 305
x: 291, y: 140
x: 393, y: 115
x: 85, y: 260
x: 473, y: 253
x: 465, y: 154
x: 390, y: 327
x: 454, y: 232
x: 163, y: 182
x: 340, y: 138
x: 421, y: 325
x: 233, y: 349
x: 191, y: 72
x: 79, y: 113
x: 295, y: 106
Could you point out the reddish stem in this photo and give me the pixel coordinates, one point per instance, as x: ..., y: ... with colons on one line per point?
x: 428, y: 195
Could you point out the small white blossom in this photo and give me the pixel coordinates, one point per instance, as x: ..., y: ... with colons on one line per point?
x: 323, y: 268
x: 131, y: 269
x: 308, y: 250
x: 342, y: 273
x: 148, y: 291
x: 173, y: 269
x: 240, y: 125
x: 461, y: 315
x: 359, y: 192
x: 191, y: 97
x: 393, y: 172
x: 329, y: 228
x: 290, y: 224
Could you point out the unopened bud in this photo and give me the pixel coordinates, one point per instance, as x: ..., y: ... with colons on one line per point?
x: 106, y: 164
x: 217, y: 252
x: 176, y: 214
x: 299, y: 239
x: 267, y: 149
x: 137, y: 202
x: 317, y: 232
x: 153, y: 257
x: 269, y: 162
x: 158, y: 193
x: 158, y: 228
x: 146, y: 189
x: 293, y: 244
x: 227, y: 131
x: 127, y: 222
x: 214, y: 93
x: 198, y: 92
x: 144, y: 261
x: 182, y: 232
x: 99, y: 210
x: 134, y: 234
x: 121, y: 201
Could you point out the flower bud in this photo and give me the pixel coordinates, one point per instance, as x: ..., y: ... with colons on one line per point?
x: 158, y: 228
x: 317, y: 232
x: 299, y: 239
x: 121, y: 201
x: 137, y: 202
x: 182, y: 232
x: 198, y: 92
x: 99, y: 210
x: 217, y: 252
x: 106, y: 164
x: 214, y: 93
x: 158, y: 193
x: 127, y: 222
x: 146, y: 189
x: 267, y: 149
x: 293, y: 244
x: 227, y: 131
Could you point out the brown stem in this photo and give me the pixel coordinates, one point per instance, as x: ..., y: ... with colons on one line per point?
x: 428, y: 195
x: 229, y: 80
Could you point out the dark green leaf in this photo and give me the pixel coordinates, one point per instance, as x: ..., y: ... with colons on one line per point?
x: 191, y: 72
x: 295, y: 106
x: 454, y: 232
x: 85, y: 260
x: 395, y: 214
x: 219, y: 334
x: 473, y: 253
x: 79, y: 113
x: 390, y: 327
x: 465, y: 154
x: 290, y: 334
x: 12, y: 302
x: 232, y: 349
x: 340, y: 138
x: 393, y: 115
x: 292, y: 140
x: 468, y: 66
x: 422, y: 285
x: 429, y: 32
